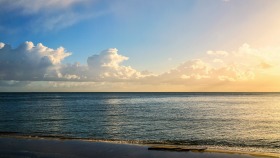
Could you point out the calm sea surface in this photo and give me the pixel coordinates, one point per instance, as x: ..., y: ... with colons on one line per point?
x: 242, y: 121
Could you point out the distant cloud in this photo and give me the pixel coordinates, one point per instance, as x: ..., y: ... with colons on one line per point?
x: 28, y: 63
x: 193, y: 69
x: 40, y: 63
x: 45, y: 15
x: 222, y: 53
x: 107, y: 65
x: 265, y: 65
x: 13, y: 83
x: 1, y: 45
x: 241, y: 65
x: 35, y: 6
x: 217, y: 60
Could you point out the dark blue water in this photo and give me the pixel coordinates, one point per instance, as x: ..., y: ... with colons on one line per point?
x: 243, y: 121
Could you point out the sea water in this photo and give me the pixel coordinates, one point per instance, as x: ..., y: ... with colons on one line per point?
x: 239, y: 121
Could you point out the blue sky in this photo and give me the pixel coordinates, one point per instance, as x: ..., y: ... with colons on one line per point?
x: 155, y: 36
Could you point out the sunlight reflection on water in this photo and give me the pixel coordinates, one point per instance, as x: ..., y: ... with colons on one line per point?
x: 218, y: 119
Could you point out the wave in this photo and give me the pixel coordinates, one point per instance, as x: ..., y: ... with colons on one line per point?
x: 212, y: 144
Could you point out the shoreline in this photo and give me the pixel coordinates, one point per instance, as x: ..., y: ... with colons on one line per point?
x: 19, y: 146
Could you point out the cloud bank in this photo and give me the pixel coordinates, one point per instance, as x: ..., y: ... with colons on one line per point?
x: 29, y: 62
x: 40, y: 63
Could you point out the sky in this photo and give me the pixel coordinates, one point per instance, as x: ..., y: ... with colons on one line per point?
x: 140, y: 46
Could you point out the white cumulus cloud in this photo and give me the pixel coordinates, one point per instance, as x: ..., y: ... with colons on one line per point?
x: 40, y: 63
x: 1, y: 45
x: 29, y: 62
x: 108, y: 65
x: 245, y: 64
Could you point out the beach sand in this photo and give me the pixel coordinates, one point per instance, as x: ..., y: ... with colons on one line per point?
x: 55, y: 148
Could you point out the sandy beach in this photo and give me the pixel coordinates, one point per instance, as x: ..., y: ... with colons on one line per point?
x: 54, y: 148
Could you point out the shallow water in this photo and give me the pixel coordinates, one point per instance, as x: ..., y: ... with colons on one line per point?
x: 242, y: 121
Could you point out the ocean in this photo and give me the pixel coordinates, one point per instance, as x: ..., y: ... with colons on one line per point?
x: 234, y: 121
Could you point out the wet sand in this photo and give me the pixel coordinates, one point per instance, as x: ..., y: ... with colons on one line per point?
x: 53, y: 148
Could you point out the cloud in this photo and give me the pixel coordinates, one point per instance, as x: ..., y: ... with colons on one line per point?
x: 13, y: 83
x: 190, y: 70
x: 107, y: 58
x: 55, y: 21
x: 216, y: 60
x: 245, y: 64
x: 1, y: 45
x: 29, y: 62
x: 35, y: 6
x: 108, y: 65
x: 222, y: 53
x: 41, y: 15
x: 40, y: 63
